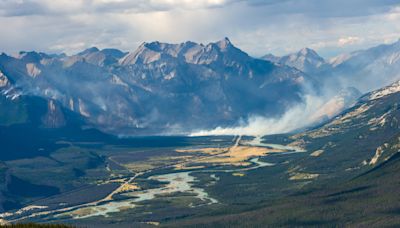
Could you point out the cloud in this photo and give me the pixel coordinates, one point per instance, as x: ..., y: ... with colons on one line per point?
x: 348, y: 40
x: 191, y: 3
x: 394, y: 14
x: 20, y: 8
x: 12, y: 8
x: 257, y: 26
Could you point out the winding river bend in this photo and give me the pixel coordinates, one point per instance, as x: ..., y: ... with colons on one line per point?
x: 175, y: 182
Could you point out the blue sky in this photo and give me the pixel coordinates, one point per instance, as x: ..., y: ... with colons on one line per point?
x: 256, y: 26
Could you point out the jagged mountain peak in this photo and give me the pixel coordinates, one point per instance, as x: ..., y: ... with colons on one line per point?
x: 160, y: 46
x: 222, y: 50
x: 306, y: 60
x: 307, y: 53
x: 116, y: 53
x: 155, y: 45
x: 224, y: 43
x: 98, y: 57
x: 171, y: 49
x: 270, y: 57
x: 31, y: 56
x: 310, y: 53
x: 89, y: 51
x: 144, y: 54
x: 190, y: 52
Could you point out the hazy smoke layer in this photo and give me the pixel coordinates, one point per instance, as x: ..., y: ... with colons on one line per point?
x: 299, y: 116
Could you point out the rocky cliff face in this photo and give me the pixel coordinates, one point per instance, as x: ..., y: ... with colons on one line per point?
x: 54, y: 117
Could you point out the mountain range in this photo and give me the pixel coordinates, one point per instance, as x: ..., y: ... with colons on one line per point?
x: 158, y: 88
x: 163, y: 88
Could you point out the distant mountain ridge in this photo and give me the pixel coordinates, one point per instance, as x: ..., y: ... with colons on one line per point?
x: 372, y: 68
x: 159, y: 87
x: 306, y: 60
x: 366, y: 70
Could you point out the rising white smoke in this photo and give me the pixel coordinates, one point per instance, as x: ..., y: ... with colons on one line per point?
x: 298, y: 116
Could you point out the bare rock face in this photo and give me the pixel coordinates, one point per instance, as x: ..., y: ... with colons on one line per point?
x: 32, y: 70
x: 3, y: 80
x: 54, y: 118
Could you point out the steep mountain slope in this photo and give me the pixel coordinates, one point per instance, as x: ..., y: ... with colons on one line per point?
x: 357, y: 139
x: 32, y: 126
x: 159, y: 88
x: 349, y: 174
